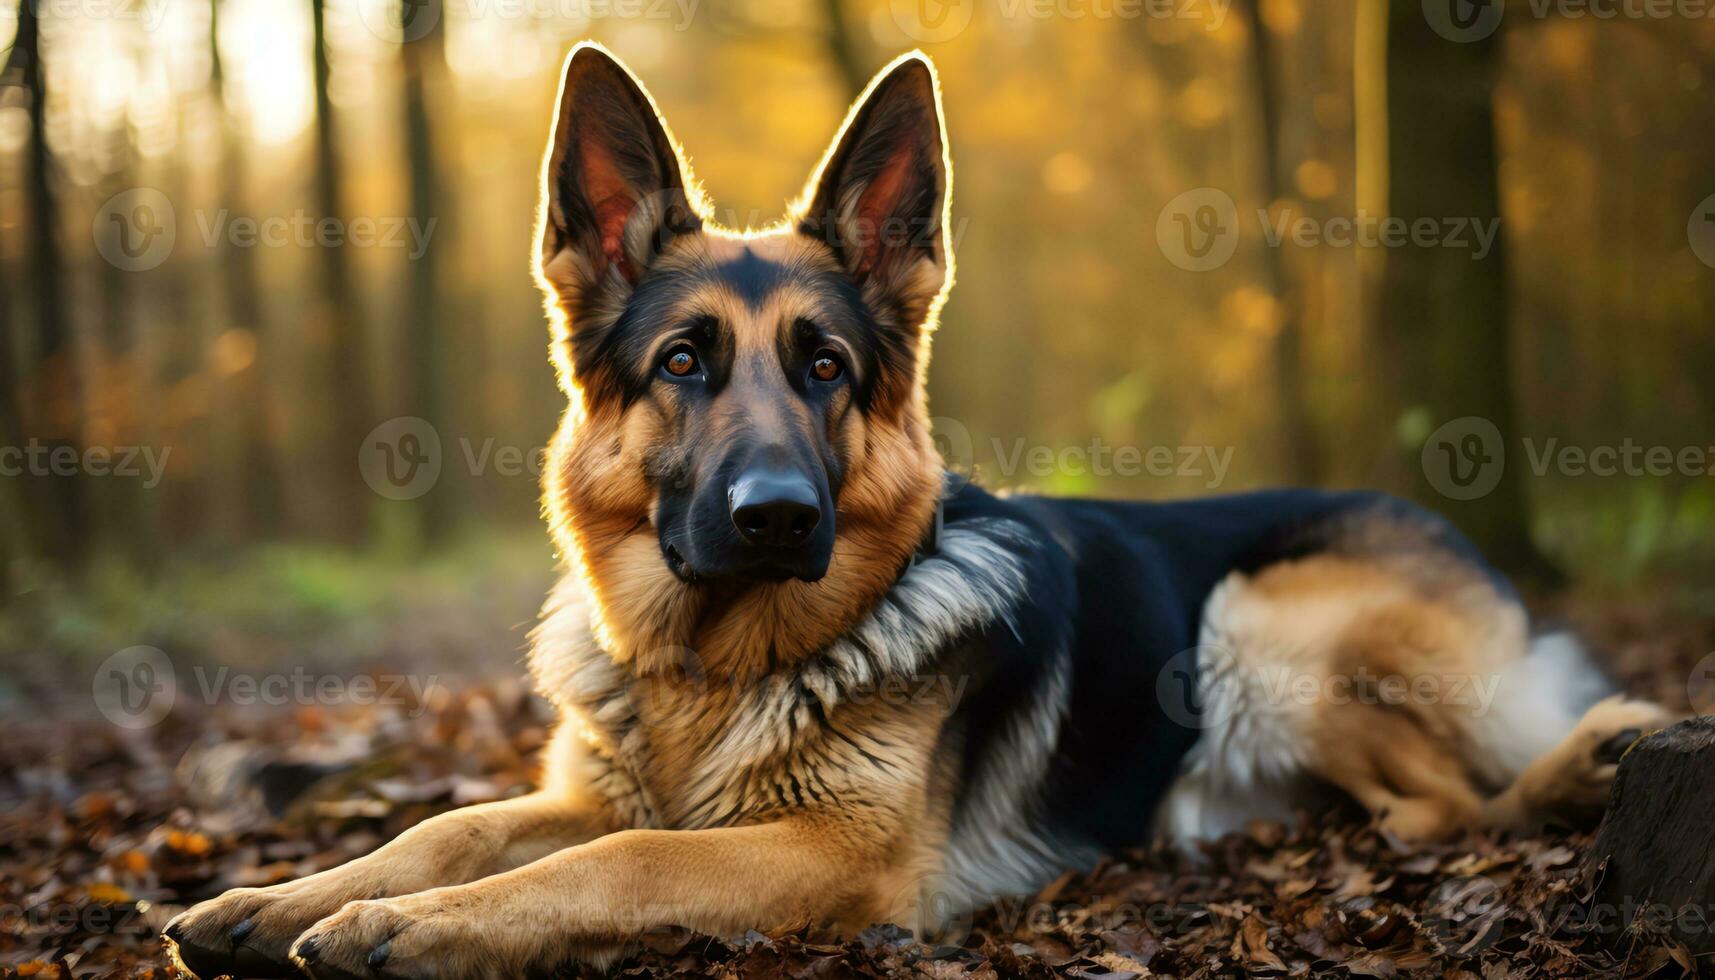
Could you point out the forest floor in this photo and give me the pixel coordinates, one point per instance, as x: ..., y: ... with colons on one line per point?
x: 106, y: 832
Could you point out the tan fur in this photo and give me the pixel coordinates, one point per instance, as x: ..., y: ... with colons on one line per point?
x: 1355, y: 631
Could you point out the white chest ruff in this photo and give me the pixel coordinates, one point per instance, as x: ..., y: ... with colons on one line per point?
x: 974, y: 579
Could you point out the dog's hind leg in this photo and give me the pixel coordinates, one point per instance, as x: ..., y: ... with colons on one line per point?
x: 1426, y: 770
x: 1407, y: 777
x: 249, y: 930
x: 1411, y: 682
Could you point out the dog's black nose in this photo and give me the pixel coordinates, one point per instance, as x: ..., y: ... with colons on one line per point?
x: 774, y: 509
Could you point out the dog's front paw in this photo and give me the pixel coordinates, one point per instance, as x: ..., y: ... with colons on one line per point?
x: 357, y: 941
x: 245, y: 931
x: 456, y: 933
x: 416, y: 936
x: 250, y: 931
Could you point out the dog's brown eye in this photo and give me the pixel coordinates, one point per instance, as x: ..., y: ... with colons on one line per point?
x: 826, y: 367
x: 680, y: 362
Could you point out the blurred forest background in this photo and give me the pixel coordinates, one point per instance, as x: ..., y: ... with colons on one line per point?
x: 253, y: 371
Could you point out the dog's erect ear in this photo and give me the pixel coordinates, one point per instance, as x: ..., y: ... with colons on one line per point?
x: 615, y: 188
x: 880, y: 197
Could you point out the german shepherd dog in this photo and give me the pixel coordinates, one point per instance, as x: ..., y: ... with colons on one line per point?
x: 809, y: 679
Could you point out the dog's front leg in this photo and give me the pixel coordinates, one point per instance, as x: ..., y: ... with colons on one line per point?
x: 586, y: 903
x: 250, y: 930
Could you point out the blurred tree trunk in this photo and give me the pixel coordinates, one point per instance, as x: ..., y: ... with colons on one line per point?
x: 12, y: 504
x: 257, y: 480
x: 422, y: 336
x: 13, y: 517
x: 1300, y: 456
x: 44, y: 406
x: 117, y: 375
x: 348, y: 371
x: 1444, y: 313
x: 843, y: 49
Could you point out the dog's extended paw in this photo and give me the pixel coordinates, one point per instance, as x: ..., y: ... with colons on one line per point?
x: 1582, y: 767
x: 351, y: 942
x: 416, y: 936
x: 250, y: 931
x: 456, y: 933
x: 245, y: 931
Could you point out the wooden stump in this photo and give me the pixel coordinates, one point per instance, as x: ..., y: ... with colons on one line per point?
x: 1658, y: 838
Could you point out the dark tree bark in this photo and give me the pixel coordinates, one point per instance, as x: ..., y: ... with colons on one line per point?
x: 1300, y: 454
x: 843, y: 48
x: 1444, y: 313
x: 422, y: 335
x: 257, y: 480
x: 43, y: 405
x: 1654, y: 856
x: 121, y: 509
x: 348, y: 368
x: 13, y: 536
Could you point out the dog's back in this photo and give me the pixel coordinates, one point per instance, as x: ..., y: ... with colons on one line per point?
x: 1234, y: 658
